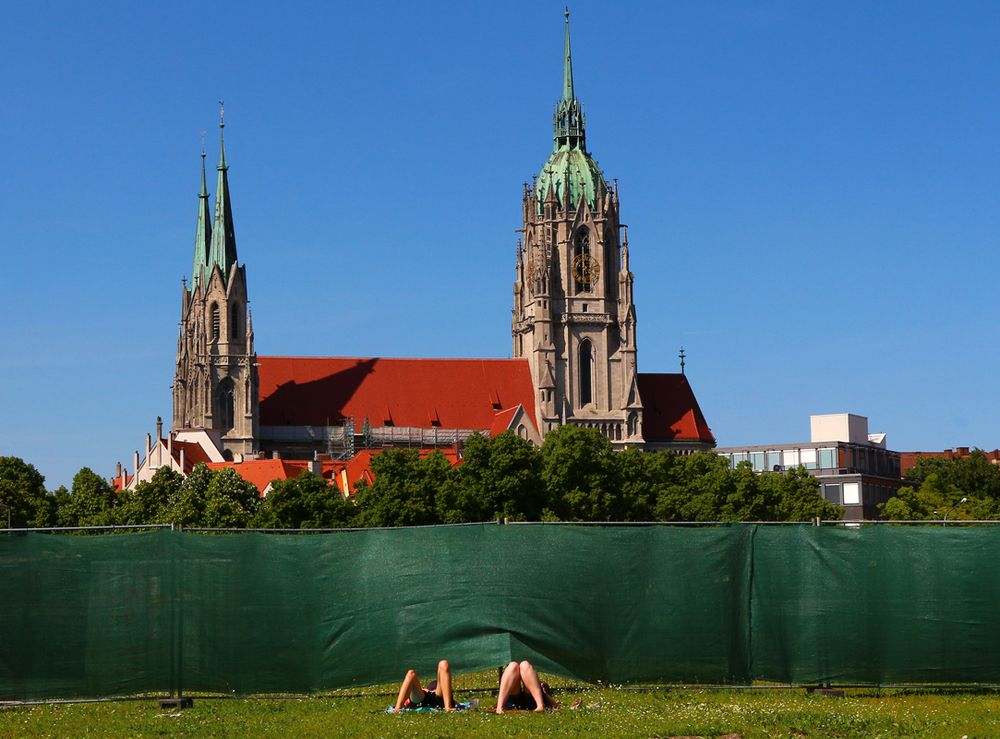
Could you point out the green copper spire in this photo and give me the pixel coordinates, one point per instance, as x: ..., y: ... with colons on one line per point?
x: 203, y: 233
x: 568, y: 120
x: 568, y: 67
x: 570, y: 168
x: 223, y: 251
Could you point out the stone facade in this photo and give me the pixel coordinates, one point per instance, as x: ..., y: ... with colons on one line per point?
x: 574, y: 317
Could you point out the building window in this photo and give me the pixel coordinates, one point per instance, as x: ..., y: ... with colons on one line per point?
x: 586, y: 373
x: 852, y: 493
x: 807, y: 458
x: 831, y: 491
x: 790, y: 458
x: 757, y: 460
x: 773, y: 460
x: 827, y: 459
x: 215, y: 322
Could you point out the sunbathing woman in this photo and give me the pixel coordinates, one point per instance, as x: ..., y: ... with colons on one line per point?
x: 437, y: 694
x: 521, y: 690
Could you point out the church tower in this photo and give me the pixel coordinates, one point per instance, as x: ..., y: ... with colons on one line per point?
x: 573, y: 318
x: 215, y: 382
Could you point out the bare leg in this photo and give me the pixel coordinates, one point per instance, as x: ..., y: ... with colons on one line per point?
x: 443, y: 688
x: 510, y: 683
x: 410, y: 688
x: 532, y: 684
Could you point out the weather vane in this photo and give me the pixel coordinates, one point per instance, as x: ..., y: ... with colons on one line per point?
x: 682, y: 355
x: 222, y: 112
x: 203, y: 135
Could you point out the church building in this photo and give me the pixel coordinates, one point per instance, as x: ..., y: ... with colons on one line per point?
x: 574, y: 357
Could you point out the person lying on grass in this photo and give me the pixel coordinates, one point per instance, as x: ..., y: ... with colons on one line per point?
x: 521, y: 690
x: 437, y: 694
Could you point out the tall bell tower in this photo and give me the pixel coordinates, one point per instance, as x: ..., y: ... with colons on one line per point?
x: 215, y: 382
x: 574, y: 318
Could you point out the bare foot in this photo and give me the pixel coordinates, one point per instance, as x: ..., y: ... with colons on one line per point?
x: 499, y: 709
x: 539, y: 709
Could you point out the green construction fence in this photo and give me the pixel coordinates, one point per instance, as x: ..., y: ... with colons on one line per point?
x: 84, y: 616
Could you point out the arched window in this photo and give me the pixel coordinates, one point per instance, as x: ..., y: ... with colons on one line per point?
x: 215, y: 322
x: 586, y: 373
x: 226, y: 406
x: 234, y: 321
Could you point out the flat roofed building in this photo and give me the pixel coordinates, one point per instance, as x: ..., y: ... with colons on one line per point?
x: 855, y: 469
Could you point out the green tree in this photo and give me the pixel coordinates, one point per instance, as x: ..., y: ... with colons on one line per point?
x: 405, y: 489
x: 230, y: 501
x: 304, y: 502
x: 641, y: 476
x: 579, y: 475
x: 797, y: 497
x: 187, y: 506
x: 696, y: 489
x: 931, y: 499
x: 498, y: 478
x: 22, y: 489
x: 970, y: 477
x: 938, y: 485
x: 150, y: 501
x: 88, y: 503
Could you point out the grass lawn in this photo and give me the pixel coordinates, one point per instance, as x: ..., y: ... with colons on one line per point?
x: 607, y: 712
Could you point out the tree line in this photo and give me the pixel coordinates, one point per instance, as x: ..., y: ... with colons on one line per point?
x: 574, y: 476
x: 961, y: 489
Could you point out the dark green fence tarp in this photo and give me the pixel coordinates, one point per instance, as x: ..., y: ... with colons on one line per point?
x: 85, y: 616
x: 253, y: 613
x: 877, y: 605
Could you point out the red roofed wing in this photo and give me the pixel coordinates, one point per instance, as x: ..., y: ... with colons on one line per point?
x: 320, y: 391
x: 670, y: 411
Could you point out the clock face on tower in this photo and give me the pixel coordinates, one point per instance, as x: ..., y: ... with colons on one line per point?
x: 586, y: 270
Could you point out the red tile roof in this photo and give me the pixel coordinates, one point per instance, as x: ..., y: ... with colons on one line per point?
x: 262, y: 472
x: 501, y: 421
x: 670, y: 411
x: 419, y: 393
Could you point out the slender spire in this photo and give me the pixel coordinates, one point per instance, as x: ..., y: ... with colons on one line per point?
x: 568, y: 119
x: 223, y: 251
x: 568, y: 67
x: 203, y: 232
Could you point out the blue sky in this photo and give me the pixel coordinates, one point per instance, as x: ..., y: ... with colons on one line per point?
x: 811, y: 191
